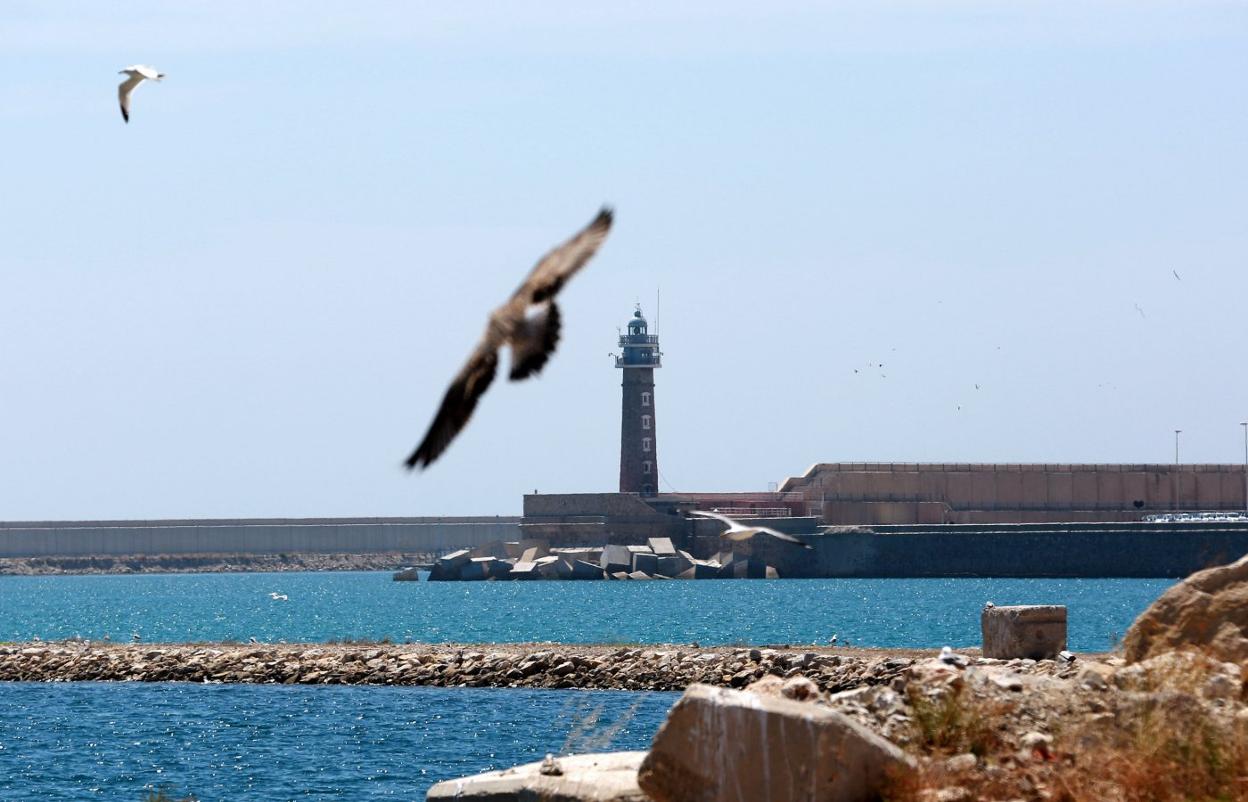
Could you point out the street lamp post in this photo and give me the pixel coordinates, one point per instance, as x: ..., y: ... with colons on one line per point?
x: 1245, y: 425
x: 1178, y: 482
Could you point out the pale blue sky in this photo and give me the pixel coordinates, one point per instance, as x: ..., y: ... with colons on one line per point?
x: 249, y: 300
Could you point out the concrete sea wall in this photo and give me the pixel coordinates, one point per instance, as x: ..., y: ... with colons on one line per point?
x: 253, y: 536
x: 1013, y: 550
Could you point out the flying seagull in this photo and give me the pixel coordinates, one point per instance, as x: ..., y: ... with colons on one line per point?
x: 528, y: 322
x: 1176, y: 275
x: 738, y: 531
x: 138, y: 74
x: 1141, y: 311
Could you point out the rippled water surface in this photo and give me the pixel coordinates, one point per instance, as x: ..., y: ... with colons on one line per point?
x: 329, y: 606
x: 264, y: 742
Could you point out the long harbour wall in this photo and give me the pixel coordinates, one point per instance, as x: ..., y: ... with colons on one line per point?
x: 1014, y: 550
x: 252, y: 536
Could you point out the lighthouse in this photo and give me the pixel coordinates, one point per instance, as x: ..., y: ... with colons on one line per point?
x: 639, y: 449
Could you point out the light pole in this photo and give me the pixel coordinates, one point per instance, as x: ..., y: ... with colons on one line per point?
x: 1245, y: 425
x: 1178, y: 483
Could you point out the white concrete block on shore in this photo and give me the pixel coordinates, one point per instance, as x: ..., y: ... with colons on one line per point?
x: 609, y: 777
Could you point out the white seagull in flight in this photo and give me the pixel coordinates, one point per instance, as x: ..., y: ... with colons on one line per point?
x: 738, y: 531
x: 138, y: 73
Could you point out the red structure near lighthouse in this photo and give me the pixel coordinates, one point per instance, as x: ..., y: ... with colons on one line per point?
x: 639, y: 444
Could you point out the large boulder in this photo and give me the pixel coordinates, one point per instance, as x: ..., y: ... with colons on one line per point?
x: 1208, y: 611
x: 721, y: 745
x: 610, y: 777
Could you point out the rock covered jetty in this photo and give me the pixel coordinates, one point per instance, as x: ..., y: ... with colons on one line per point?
x: 535, y: 559
x: 652, y: 668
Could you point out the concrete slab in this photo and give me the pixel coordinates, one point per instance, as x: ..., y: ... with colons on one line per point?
x: 610, y: 777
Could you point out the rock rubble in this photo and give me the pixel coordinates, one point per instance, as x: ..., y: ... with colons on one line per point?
x: 650, y: 668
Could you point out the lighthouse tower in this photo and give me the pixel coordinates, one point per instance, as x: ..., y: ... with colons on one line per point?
x: 639, y: 444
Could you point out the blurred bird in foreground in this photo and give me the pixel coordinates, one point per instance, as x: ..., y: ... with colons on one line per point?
x: 528, y: 322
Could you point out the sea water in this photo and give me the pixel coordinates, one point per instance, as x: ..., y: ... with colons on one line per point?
x: 322, y: 606
x: 121, y: 741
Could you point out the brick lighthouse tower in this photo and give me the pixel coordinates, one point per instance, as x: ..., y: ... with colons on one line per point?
x: 639, y: 450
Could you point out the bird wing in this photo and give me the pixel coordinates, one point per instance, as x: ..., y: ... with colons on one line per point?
x: 721, y: 518
x: 458, y: 403
x: 147, y: 72
x: 123, y: 94
x: 534, y: 341
x: 554, y: 269
x: 767, y: 530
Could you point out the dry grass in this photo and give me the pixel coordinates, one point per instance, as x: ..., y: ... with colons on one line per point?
x: 951, y: 721
x: 1160, y: 742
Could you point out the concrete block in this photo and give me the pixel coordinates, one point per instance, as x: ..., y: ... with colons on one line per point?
x: 1037, y: 632
x: 524, y: 570
x: 476, y: 570
x: 722, y: 745
x: 447, y: 567
x: 584, y: 570
x: 673, y: 565
x: 406, y: 575
x: 646, y: 563
x: 662, y: 546
x: 639, y: 575
x: 616, y: 558
x: 705, y: 570
x: 620, y: 575
x: 609, y: 777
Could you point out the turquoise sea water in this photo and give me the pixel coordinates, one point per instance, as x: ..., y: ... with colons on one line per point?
x: 332, y: 606
x: 71, y: 741
x: 114, y: 742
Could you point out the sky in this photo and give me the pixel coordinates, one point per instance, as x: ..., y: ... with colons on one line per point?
x: 946, y: 231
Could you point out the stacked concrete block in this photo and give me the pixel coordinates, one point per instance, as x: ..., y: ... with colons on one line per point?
x: 615, y: 559
x: 533, y: 559
x: 1037, y: 632
x: 646, y: 563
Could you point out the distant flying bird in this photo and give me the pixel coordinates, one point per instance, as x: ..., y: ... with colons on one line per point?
x: 738, y: 531
x: 977, y: 387
x: 1141, y: 311
x: 528, y: 322
x: 275, y: 596
x: 1176, y: 275
x: 138, y: 74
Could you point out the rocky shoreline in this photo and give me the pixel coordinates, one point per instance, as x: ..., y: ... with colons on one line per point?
x: 207, y: 563
x: 640, y: 668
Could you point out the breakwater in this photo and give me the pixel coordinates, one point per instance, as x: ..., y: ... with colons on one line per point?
x: 670, y: 668
x: 252, y: 536
x: 206, y: 563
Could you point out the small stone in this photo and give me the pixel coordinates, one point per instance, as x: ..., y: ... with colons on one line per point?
x: 963, y: 762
